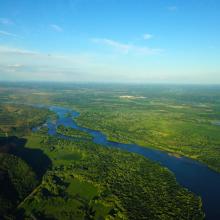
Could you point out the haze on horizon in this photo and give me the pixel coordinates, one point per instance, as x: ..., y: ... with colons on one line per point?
x: 151, y: 41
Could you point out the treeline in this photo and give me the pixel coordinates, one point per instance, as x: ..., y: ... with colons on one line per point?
x: 129, y: 186
x: 17, y: 180
x: 18, y: 120
x: 73, y: 132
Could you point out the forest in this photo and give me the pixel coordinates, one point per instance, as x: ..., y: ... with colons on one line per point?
x: 67, y: 179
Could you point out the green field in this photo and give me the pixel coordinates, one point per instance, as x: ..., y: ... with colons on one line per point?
x: 105, y: 183
x: 183, y: 120
x: 180, y: 129
x: 82, y: 180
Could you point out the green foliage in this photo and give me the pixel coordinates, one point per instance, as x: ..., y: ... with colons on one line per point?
x: 18, y: 120
x: 104, y: 183
x: 73, y: 133
x: 181, y: 120
x: 17, y: 180
x: 87, y: 181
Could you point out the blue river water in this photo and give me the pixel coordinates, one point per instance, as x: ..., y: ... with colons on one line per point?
x: 193, y: 175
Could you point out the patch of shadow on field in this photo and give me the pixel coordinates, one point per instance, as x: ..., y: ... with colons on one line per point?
x: 35, y: 158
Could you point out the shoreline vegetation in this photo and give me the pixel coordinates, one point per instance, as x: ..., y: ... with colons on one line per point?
x: 209, y: 158
x: 173, y: 118
x: 176, y: 119
x: 83, y: 179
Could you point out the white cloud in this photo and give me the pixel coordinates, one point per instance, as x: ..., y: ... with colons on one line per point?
x: 15, y: 51
x: 119, y: 46
x: 20, y: 60
x: 5, y: 21
x: 172, y: 8
x: 5, y: 33
x: 16, y: 65
x: 11, y: 67
x: 147, y: 36
x: 127, y: 48
x: 22, y: 64
x: 30, y: 56
x: 56, y: 28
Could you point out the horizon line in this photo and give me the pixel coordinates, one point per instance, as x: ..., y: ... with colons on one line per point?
x: 107, y: 82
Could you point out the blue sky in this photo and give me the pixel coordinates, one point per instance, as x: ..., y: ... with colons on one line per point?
x: 110, y: 40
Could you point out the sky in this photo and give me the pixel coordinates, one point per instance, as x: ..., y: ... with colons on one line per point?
x: 134, y: 41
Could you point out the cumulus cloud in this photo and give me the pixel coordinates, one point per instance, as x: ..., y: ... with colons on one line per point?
x: 127, y: 48
x: 56, y: 28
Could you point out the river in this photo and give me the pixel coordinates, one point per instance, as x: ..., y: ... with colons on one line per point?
x: 191, y: 174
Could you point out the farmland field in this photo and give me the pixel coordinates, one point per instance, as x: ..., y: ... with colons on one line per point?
x: 88, y: 181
